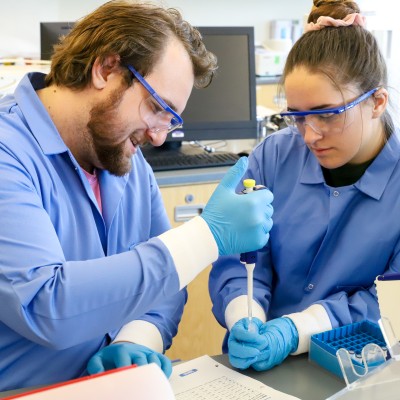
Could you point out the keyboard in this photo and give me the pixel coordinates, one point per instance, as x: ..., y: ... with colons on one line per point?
x: 176, y: 160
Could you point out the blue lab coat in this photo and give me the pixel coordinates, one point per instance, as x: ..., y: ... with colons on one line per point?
x: 71, y: 277
x: 327, y: 244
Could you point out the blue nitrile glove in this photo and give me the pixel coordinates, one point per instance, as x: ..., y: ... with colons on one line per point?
x: 238, y: 223
x: 282, y: 338
x: 124, y: 354
x: 246, y: 347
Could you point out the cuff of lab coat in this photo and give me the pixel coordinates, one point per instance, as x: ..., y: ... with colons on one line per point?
x: 192, y: 247
x: 141, y: 332
x: 313, y: 320
x: 238, y: 309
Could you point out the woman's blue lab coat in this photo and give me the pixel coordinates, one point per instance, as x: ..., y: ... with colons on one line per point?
x: 327, y: 244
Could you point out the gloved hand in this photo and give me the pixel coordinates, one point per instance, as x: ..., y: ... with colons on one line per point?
x: 124, y: 354
x: 282, y: 338
x: 244, y: 346
x: 238, y: 223
x: 262, y: 349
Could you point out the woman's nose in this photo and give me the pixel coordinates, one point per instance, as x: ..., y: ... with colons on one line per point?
x: 311, y: 134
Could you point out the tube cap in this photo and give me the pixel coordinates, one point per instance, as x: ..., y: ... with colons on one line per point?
x: 249, y: 183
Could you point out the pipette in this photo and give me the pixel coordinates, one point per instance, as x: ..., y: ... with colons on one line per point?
x: 249, y: 260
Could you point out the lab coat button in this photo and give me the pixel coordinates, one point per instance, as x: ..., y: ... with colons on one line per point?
x: 310, y: 286
x: 336, y: 193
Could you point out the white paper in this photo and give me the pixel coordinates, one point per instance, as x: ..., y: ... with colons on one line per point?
x: 145, y: 383
x: 205, y: 379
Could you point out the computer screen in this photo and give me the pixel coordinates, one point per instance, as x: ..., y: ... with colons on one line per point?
x: 50, y: 33
x: 227, y: 108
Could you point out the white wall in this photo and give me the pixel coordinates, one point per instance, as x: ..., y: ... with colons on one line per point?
x: 19, y: 19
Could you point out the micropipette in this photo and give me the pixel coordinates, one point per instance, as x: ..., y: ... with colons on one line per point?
x: 249, y: 260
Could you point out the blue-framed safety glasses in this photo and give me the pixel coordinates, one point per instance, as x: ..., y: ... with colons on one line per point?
x: 324, y: 121
x: 159, y: 116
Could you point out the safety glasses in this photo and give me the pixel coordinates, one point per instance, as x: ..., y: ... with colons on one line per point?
x: 158, y: 115
x: 325, y: 121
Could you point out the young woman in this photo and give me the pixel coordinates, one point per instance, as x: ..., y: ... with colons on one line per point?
x: 335, y: 175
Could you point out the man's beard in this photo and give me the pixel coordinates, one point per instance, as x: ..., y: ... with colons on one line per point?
x: 101, y: 128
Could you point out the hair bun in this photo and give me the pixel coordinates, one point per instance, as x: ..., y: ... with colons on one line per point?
x: 319, y: 3
x: 332, y: 8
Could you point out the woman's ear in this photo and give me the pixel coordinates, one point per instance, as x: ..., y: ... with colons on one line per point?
x: 102, y: 69
x: 381, y: 98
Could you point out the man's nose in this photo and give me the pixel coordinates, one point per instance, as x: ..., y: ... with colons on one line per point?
x: 156, y: 138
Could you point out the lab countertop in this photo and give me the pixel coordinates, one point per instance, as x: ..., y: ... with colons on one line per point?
x: 296, y: 376
x: 190, y: 176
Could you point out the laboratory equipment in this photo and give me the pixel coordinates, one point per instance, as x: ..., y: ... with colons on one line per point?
x: 352, y: 338
x: 380, y: 383
x: 245, y: 230
x: 249, y: 260
x: 377, y: 382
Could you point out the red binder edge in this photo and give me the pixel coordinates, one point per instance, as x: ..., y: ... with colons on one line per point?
x: 70, y: 382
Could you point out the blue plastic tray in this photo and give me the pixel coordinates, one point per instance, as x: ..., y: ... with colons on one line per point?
x: 353, y: 338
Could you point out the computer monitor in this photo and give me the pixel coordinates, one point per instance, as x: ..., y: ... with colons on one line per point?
x: 226, y: 109
x: 50, y: 33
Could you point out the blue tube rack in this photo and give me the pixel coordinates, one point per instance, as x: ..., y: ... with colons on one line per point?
x: 353, y: 338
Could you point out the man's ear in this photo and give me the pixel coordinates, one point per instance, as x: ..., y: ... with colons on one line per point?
x: 381, y: 98
x: 102, y: 69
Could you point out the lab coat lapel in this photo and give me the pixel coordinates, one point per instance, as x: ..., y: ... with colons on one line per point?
x: 112, y: 189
